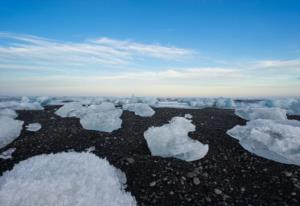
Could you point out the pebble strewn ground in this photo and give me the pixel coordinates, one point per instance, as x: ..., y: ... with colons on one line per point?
x: 227, y: 175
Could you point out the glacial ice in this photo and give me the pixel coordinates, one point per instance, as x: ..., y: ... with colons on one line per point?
x: 277, y: 140
x: 261, y: 113
x: 140, y: 109
x: 10, y: 129
x: 8, y: 113
x: 172, y: 140
x: 188, y: 116
x: 64, y: 179
x: 7, y: 154
x: 106, y: 121
x: 33, y: 127
x: 72, y: 109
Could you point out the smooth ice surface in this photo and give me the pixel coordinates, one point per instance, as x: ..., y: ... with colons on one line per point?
x: 140, y: 109
x: 275, y: 140
x: 261, y: 113
x: 33, y: 127
x: 105, y: 121
x: 10, y: 129
x: 172, y: 140
x: 8, y: 113
x: 64, y: 179
x: 7, y: 154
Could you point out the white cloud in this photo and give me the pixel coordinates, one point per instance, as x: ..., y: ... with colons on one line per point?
x: 35, y: 51
x: 277, y: 64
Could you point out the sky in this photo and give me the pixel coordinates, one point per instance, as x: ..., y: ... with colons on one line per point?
x: 230, y: 48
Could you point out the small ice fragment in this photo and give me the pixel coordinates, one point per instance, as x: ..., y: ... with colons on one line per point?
x: 188, y: 116
x: 33, y: 127
x: 7, y: 154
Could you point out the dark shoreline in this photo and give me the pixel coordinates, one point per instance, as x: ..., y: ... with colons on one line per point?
x: 227, y: 175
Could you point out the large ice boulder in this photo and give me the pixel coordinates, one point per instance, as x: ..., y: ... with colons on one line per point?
x: 10, y: 129
x: 290, y: 104
x: 172, y: 140
x: 261, y: 113
x: 275, y: 140
x: 140, y: 109
x: 64, y: 179
x: 105, y: 121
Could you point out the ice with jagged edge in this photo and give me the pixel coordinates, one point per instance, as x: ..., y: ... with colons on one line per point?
x: 33, y: 127
x: 172, y: 140
x: 261, y: 113
x: 277, y: 140
x: 140, y: 109
x: 10, y: 129
x: 84, y: 179
x: 24, y: 103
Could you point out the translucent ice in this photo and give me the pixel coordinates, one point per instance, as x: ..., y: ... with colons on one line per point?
x: 172, y: 140
x: 275, y: 140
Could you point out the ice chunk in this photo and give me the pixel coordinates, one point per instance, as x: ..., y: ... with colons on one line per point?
x: 10, y: 129
x: 188, y: 116
x: 64, y: 179
x: 33, y: 127
x: 261, y: 113
x: 104, y: 106
x: 106, y: 121
x: 172, y: 140
x: 7, y: 154
x: 291, y: 105
x: 8, y: 113
x: 172, y: 104
x: 202, y: 102
x: 140, y: 109
x: 225, y: 103
x: 72, y: 109
x: 275, y: 140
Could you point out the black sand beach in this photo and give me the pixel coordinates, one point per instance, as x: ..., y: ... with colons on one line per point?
x: 227, y: 175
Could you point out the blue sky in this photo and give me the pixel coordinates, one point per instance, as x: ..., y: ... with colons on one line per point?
x: 157, y: 48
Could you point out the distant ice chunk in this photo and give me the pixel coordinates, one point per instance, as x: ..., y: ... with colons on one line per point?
x: 33, y: 127
x: 188, y: 116
x: 275, y: 140
x: 225, y: 103
x: 105, y: 121
x: 202, y: 102
x: 7, y: 154
x: 84, y: 179
x: 173, y: 104
x: 104, y: 106
x: 72, y: 109
x: 261, y: 113
x: 140, y: 109
x: 8, y: 113
x: 290, y: 104
x: 172, y: 140
x: 10, y: 129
